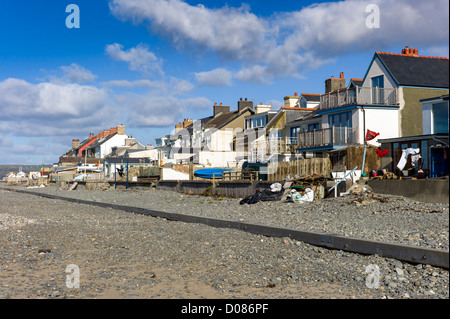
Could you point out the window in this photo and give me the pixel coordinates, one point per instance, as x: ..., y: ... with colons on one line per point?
x: 340, y: 119
x: 424, y: 152
x: 295, y: 131
x: 377, y: 89
x: 280, y: 134
x: 312, y: 127
x: 338, y: 123
x: 440, y: 117
x: 303, y: 104
x: 294, y: 134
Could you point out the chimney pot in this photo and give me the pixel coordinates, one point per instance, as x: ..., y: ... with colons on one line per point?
x: 295, y: 94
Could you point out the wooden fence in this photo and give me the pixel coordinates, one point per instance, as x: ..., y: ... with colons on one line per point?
x: 301, y: 167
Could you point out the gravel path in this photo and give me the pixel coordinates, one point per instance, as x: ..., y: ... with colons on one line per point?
x: 123, y: 255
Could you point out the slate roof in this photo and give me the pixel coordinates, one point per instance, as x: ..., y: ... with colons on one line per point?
x: 101, y: 140
x: 421, y: 71
x: 222, y: 119
x: 311, y: 97
x: 74, y: 151
x: 356, y: 82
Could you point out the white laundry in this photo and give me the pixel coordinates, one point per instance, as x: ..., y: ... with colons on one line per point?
x: 415, y: 158
x: 404, y: 158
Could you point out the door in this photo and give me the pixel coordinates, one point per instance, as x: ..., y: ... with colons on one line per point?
x: 439, y: 162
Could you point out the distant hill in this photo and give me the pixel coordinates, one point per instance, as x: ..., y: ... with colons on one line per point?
x: 6, y: 169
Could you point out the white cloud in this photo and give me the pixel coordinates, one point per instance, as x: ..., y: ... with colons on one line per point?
x: 147, y: 110
x: 51, y: 108
x: 254, y: 73
x: 216, y: 77
x: 21, y: 99
x: 170, y: 85
x: 290, y: 43
x: 138, y: 58
x: 4, y: 141
x: 132, y: 84
x: 234, y: 32
x: 77, y: 73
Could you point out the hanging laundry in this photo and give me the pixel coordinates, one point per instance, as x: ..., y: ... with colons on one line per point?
x: 404, y: 158
x: 382, y: 153
x: 370, y: 135
x: 415, y: 158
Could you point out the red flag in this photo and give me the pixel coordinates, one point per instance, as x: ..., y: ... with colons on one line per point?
x: 371, y: 135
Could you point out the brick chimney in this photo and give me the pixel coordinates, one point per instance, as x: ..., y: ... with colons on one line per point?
x: 75, y: 143
x: 242, y: 104
x: 333, y: 84
x: 121, y: 129
x: 220, y: 109
x: 91, y: 136
x: 178, y: 127
x: 187, y: 122
x: 113, y: 130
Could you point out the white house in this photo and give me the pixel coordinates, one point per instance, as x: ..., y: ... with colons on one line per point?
x: 105, y: 144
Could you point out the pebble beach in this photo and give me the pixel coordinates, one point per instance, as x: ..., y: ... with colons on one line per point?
x: 125, y: 255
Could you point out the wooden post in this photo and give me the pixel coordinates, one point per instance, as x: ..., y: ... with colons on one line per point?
x: 127, y: 173
x: 356, y: 93
x: 191, y: 171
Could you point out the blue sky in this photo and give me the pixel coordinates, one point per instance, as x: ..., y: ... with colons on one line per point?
x: 148, y: 64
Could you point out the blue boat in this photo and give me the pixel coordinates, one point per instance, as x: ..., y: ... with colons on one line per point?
x: 210, y: 172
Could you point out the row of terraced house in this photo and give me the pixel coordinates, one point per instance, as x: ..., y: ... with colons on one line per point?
x: 402, y: 100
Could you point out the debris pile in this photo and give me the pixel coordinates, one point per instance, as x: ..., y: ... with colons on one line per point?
x: 363, y: 195
x: 305, y: 185
x: 299, y: 189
